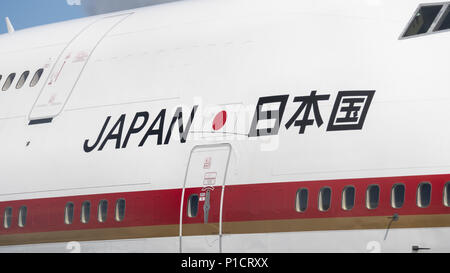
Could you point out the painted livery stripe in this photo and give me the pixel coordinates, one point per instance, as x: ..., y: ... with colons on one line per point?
x: 251, y: 208
x: 353, y: 223
x: 268, y: 226
x: 90, y: 235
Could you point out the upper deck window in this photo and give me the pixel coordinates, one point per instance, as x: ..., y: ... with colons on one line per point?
x: 8, y: 81
x: 36, y: 77
x: 23, y: 79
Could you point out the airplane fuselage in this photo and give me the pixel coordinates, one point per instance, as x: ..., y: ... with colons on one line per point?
x: 227, y: 126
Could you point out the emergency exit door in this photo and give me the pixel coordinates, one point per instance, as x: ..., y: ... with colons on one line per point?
x: 200, y: 229
x: 68, y: 68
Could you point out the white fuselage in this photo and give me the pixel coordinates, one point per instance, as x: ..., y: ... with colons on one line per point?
x: 213, y: 56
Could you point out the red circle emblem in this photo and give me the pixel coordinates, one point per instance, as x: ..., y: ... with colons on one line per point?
x: 219, y: 120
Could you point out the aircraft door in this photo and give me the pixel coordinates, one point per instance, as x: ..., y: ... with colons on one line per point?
x: 200, y: 229
x: 67, y: 69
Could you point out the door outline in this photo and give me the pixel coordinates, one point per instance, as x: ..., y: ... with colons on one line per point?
x: 54, y: 66
x: 221, y: 195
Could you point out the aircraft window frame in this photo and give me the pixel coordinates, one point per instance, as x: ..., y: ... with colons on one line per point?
x: 420, y: 196
x: 7, y: 217
x: 120, y: 209
x: 369, y: 204
x: 192, y: 212
x: 345, y: 205
x: 22, y: 221
x: 102, y: 211
x: 69, y: 213
x: 23, y: 78
x: 9, y: 81
x: 394, y: 203
x: 323, y: 198
x: 432, y: 28
x: 85, y: 215
x: 301, y: 201
x: 36, y: 77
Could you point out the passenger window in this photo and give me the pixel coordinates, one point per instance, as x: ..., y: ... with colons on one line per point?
x: 324, y: 199
x: 372, y: 196
x: 68, y: 213
x: 301, y: 203
x: 193, y: 205
x: 424, y: 195
x: 23, y: 78
x: 36, y: 77
x: 7, y: 217
x: 102, y: 211
x: 444, y: 23
x: 85, y: 212
x: 8, y: 81
x: 422, y: 20
x: 398, y: 196
x: 447, y: 194
x: 120, y: 210
x: 22, y: 216
x: 348, y: 198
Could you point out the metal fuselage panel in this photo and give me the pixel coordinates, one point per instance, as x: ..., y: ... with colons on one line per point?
x: 119, y: 130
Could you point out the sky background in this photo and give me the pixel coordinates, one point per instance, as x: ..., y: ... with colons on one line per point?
x: 29, y: 13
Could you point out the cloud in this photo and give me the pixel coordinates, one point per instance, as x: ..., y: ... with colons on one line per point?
x: 93, y: 7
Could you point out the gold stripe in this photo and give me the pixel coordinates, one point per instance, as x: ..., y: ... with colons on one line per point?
x: 90, y: 235
x: 350, y: 223
x: 200, y: 229
x: 267, y: 226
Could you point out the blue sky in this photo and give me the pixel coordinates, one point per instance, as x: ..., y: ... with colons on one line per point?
x: 28, y: 13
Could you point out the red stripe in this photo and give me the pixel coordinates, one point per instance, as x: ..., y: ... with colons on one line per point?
x: 142, y: 209
x: 277, y: 200
x: 272, y: 201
